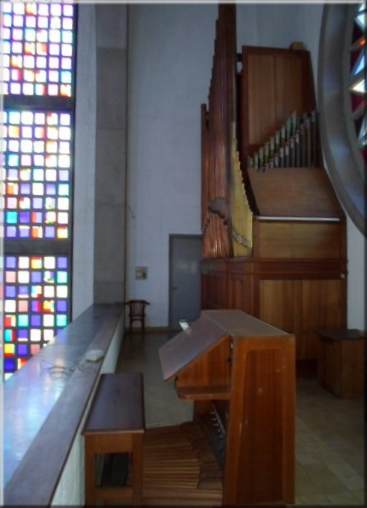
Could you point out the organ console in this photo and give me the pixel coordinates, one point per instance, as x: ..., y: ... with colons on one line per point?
x: 273, y: 230
x: 239, y: 448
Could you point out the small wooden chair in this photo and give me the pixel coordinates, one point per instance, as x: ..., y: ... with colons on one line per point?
x: 137, y: 313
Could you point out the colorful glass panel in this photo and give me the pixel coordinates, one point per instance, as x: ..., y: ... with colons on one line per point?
x: 38, y: 51
x: 37, y: 161
x: 360, y: 63
x: 36, y: 305
x: 37, y: 48
x: 361, y: 20
x: 363, y: 132
x: 357, y: 85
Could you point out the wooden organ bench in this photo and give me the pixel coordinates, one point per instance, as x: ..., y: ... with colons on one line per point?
x: 342, y: 362
x: 115, y: 427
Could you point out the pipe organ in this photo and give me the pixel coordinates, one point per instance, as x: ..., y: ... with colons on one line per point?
x: 294, y: 145
x: 273, y: 230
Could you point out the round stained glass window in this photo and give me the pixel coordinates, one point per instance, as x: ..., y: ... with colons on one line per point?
x: 342, y: 102
x: 357, y: 85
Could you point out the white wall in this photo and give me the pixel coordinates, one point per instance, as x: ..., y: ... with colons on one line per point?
x: 170, y: 48
x: 110, y: 174
x: 170, y: 53
x: 356, y: 290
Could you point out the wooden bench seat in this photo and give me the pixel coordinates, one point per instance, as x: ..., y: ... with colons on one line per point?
x: 341, y: 362
x: 115, y: 425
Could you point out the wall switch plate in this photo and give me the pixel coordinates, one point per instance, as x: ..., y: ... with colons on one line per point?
x: 141, y: 272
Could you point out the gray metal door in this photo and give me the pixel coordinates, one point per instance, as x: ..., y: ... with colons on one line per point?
x: 184, y: 278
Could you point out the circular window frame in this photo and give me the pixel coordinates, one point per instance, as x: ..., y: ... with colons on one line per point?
x: 344, y: 160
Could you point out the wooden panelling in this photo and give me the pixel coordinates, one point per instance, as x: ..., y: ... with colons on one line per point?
x: 214, y: 286
x: 293, y: 79
x: 314, y: 240
x: 300, y: 296
x: 279, y: 303
x: 275, y: 84
x: 323, y: 306
x: 261, y: 469
x: 259, y: 107
x: 308, y: 193
x: 296, y: 268
x: 302, y: 307
x: 240, y: 290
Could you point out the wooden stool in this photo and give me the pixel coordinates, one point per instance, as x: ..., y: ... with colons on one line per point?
x: 137, y: 313
x: 341, y: 362
x: 115, y: 425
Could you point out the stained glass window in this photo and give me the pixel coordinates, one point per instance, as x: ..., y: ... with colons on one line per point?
x: 37, y: 48
x: 36, y: 304
x: 37, y: 152
x: 358, y: 86
x: 38, y: 80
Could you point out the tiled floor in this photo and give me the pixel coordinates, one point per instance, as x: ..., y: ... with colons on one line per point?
x: 329, y: 431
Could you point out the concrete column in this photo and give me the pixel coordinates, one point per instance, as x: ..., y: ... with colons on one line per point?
x: 85, y: 161
x: 110, y: 153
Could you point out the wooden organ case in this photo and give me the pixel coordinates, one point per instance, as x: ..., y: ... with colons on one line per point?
x: 239, y: 448
x: 273, y: 230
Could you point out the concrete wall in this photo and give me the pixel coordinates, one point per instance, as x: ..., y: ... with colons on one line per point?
x: 100, y: 166
x: 109, y: 241
x: 85, y: 139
